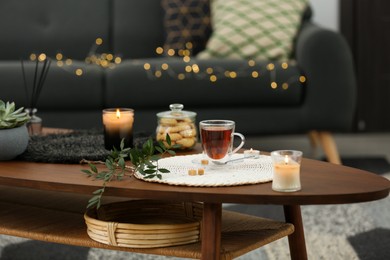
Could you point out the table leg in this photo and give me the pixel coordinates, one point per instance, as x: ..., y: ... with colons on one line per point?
x: 211, y: 230
x: 296, y: 240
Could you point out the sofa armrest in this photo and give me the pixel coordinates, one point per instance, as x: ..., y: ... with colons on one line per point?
x: 326, y: 60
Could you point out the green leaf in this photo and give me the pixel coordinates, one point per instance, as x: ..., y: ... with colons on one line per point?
x: 151, y: 166
x: 161, y: 144
x: 134, y: 157
x: 122, y: 145
x: 94, y: 198
x: 92, y: 204
x: 108, y: 176
x: 149, y: 171
x: 163, y: 170
x: 159, y: 149
x: 171, y: 152
x: 168, y: 139
x: 122, y: 163
x: 155, y: 157
x: 93, y: 167
x: 176, y: 146
x: 101, y: 175
x: 99, y: 191
x: 87, y: 172
x: 149, y: 176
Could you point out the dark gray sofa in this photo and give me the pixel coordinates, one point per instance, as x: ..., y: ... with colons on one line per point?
x: 133, y: 29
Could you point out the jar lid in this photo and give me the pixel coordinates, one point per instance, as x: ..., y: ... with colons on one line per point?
x: 176, y: 112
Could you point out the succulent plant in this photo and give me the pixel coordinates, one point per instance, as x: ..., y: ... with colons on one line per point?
x: 11, y: 118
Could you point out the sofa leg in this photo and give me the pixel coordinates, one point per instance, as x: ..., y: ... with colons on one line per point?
x: 329, y: 147
x: 314, y: 142
x: 324, y: 140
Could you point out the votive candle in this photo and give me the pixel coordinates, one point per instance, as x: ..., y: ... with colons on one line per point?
x: 251, y: 153
x: 286, y: 167
x: 118, y: 125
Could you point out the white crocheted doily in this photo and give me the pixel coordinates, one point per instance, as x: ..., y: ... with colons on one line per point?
x: 246, y: 171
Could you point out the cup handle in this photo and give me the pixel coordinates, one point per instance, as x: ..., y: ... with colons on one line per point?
x: 241, y: 144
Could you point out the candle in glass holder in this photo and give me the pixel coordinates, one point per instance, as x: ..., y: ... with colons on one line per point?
x: 118, y: 125
x: 286, y: 166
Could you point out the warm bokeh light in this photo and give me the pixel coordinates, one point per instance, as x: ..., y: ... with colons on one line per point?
x: 251, y: 63
x: 209, y: 70
x: 189, y: 45
x: 159, y: 50
x: 33, y: 56
x: 109, y: 57
x: 147, y: 66
x: 233, y: 74
x: 59, y: 56
x: 79, y: 72
x: 99, y: 41
x: 118, y: 60
x: 213, y: 78
x: 188, y: 68
x: 42, y: 57
x: 270, y: 66
x: 195, y: 68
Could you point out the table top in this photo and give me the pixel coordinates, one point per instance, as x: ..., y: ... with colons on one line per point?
x: 322, y: 183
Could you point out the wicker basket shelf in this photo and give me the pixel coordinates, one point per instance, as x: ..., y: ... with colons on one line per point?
x: 58, y: 217
x: 145, y: 223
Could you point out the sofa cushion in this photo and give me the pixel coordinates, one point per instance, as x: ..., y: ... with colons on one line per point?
x: 262, y: 29
x: 137, y: 28
x: 52, y: 26
x: 186, y: 21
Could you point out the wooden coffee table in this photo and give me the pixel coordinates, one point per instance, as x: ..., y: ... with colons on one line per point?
x: 322, y: 183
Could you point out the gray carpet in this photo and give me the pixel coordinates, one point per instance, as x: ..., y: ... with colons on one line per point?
x: 352, y: 231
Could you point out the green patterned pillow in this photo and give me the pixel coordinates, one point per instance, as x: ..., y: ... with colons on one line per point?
x: 253, y: 29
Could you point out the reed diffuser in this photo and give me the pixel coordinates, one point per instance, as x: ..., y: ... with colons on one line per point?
x: 33, y: 92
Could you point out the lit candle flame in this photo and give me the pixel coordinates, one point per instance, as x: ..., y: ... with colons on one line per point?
x: 286, y: 159
x: 118, y: 114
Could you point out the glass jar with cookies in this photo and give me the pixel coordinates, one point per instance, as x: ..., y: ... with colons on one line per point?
x: 179, y: 124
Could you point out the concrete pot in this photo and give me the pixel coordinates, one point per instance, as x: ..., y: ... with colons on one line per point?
x: 13, y: 142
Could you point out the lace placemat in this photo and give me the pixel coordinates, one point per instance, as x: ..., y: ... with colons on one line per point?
x: 246, y: 171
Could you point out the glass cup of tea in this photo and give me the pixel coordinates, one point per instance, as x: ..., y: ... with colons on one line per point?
x: 217, y: 137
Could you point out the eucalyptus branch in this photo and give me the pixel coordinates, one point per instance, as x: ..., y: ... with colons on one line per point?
x: 144, y: 160
x: 84, y: 161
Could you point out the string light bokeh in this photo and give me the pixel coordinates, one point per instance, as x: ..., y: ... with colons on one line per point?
x: 190, y: 68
